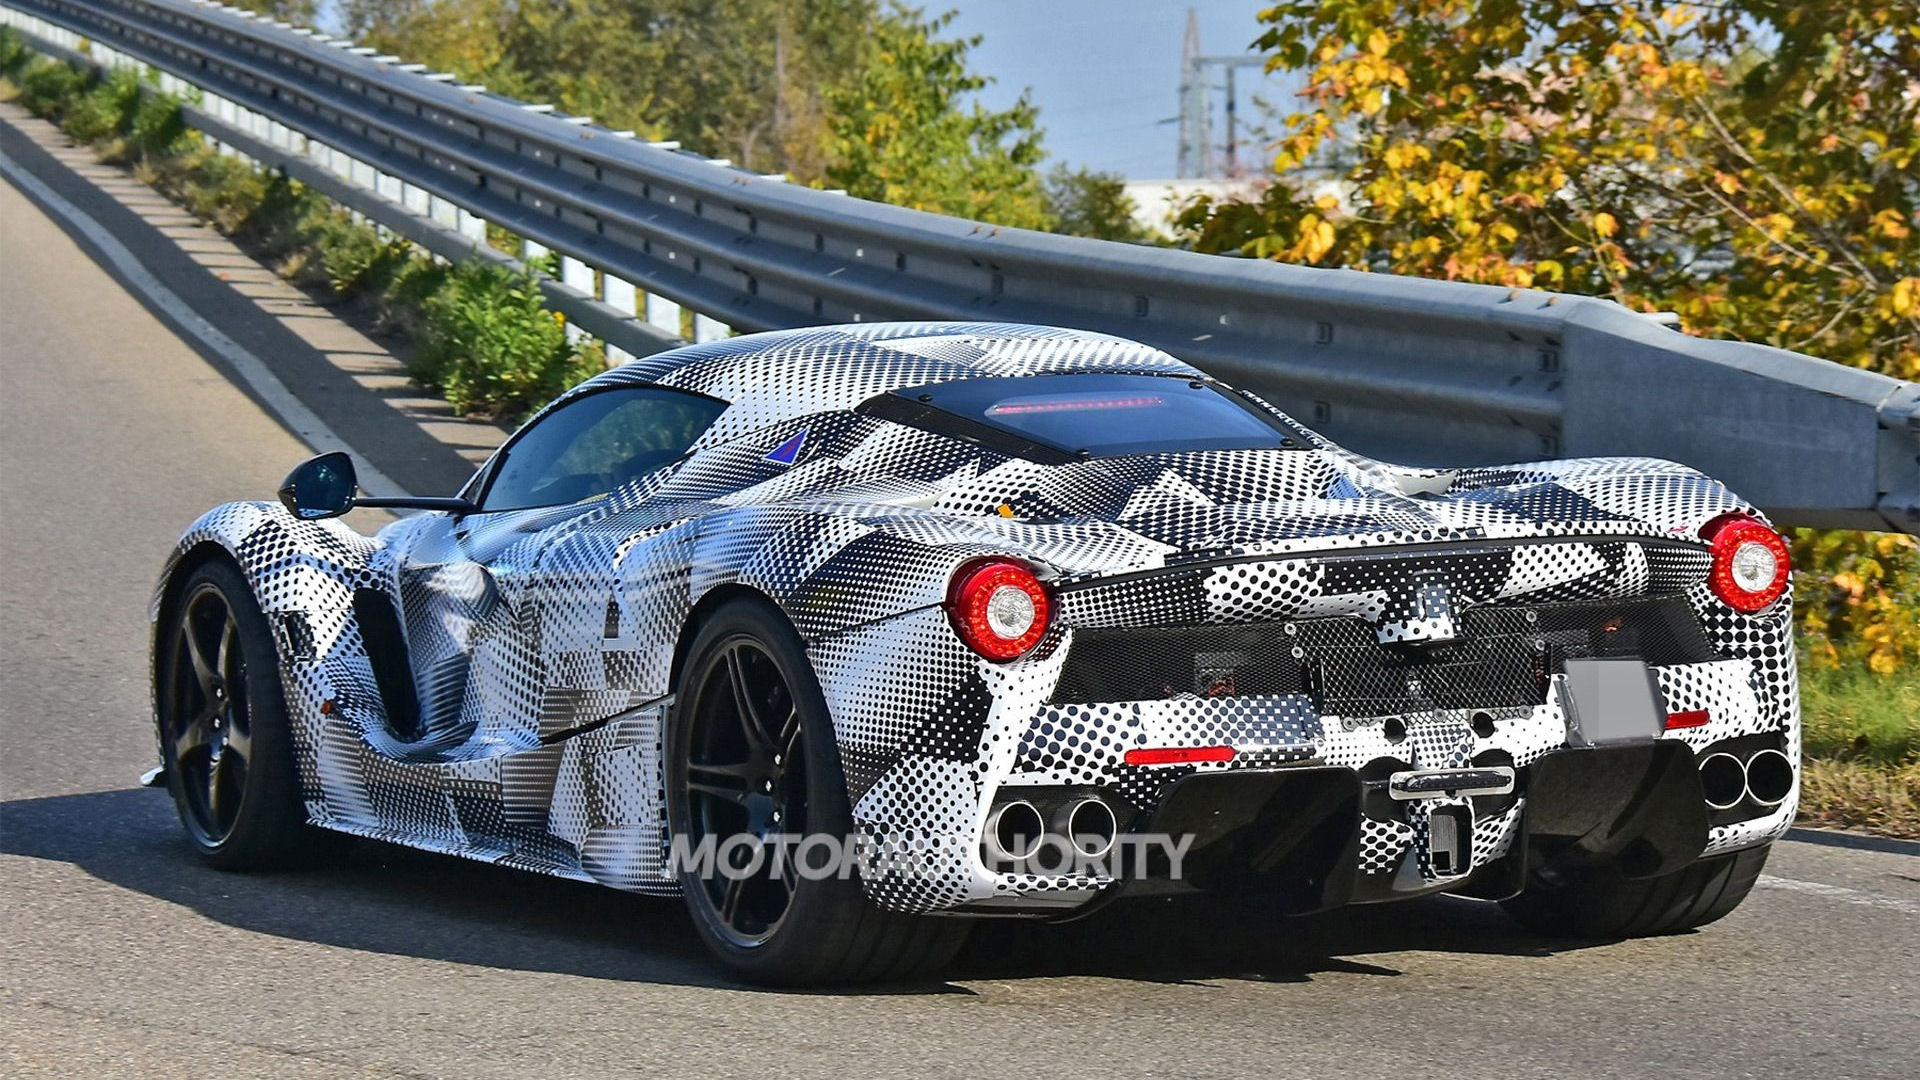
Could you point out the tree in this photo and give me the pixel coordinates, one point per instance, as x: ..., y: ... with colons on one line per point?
x: 466, y: 37
x: 1753, y: 165
x: 1083, y: 202
x: 839, y: 92
x: 290, y: 11
x: 739, y: 79
x: 903, y: 131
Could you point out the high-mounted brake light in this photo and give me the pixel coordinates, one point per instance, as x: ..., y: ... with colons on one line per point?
x: 999, y: 608
x: 1750, y: 562
x: 1046, y: 403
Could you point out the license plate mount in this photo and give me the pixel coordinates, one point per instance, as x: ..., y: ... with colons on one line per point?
x: 1611, y: 700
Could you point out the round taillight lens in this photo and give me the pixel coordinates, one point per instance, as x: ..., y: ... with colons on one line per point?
x: 999, y: 608
x: 1750, y: 563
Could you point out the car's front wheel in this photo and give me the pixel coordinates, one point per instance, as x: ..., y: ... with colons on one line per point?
x: 1601, y: 903
x: 751, y: 765
x: 224, y: 737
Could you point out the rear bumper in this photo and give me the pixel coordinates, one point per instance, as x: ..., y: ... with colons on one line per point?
x: 1307, y: 838
x: 1296, y: 835
x: 1033, y: 738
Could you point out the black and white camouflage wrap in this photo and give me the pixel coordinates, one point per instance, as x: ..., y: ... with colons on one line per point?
x: 542, y: 642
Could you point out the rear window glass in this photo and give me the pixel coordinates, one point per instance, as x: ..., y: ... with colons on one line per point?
x: 1067, y: 416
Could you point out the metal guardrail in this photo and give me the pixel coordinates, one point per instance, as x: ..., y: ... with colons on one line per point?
x: 1409, y: 370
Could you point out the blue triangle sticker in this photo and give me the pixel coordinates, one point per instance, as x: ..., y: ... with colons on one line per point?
x: 789, y: 452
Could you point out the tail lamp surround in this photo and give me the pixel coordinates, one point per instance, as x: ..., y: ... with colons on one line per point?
x: 1750, y: 563
x: 999, y: 608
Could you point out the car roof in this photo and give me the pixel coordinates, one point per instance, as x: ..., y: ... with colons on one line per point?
x: 765, y: 378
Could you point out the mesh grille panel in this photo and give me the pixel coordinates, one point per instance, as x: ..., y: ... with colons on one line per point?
x: 1503, y: 658
x: 1208, y: 661
x: 1360, y: 677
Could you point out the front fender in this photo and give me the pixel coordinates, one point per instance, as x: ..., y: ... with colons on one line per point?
x: 308, y: 567
x: 291, y: 564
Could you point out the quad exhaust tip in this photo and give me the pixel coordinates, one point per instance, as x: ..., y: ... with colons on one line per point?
x: 1015, y: 830
x: 1091, y: 827
x: 1769, y: 777
x: 1766, y: 778
x: 1723, y: 781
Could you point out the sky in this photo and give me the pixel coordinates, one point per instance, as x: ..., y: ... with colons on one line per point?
x: 1104, y: 72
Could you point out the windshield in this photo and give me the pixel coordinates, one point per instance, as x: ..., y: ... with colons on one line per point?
x: 1058, y: 417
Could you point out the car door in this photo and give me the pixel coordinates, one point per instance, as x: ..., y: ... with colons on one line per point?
x: 480, y: 613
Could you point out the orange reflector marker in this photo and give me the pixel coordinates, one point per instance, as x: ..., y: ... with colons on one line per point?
x: 1178, y: 755
x: 1691, y: 718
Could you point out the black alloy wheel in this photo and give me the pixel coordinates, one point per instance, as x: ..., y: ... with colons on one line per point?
x: 746, y: 775
x: 225, y: 742
x: 209, y: 735
x: 751, y: 755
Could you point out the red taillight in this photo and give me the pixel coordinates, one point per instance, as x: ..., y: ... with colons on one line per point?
x: 999, y: 608
x: 1690, y: 718
x: 1178, y: 755
x: 1750, y: 562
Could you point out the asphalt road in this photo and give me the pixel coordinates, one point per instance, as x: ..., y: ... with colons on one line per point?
x: 120, y: 956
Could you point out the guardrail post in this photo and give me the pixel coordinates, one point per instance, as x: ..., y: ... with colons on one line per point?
x: 472, y: 227
x: 444, y: 213
x: 577, y: 276
x: 664, y: 314
x: 413, y: 198
x: 624, y: 298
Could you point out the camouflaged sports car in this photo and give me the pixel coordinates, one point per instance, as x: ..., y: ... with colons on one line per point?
x: 844, y: 634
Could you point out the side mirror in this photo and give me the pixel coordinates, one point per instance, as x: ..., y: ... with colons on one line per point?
x: 320, y: 487
x: 325, y: 487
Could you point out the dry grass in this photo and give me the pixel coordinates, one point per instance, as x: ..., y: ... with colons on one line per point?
x: 1862, y: 750
x: 1852, y: 795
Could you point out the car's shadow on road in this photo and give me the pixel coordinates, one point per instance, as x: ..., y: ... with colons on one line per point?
x: 386, y: 899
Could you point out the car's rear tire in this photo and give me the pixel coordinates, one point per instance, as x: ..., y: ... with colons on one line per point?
x: 1602, y: 904
x: 750, y: 749
x: 225, y: 741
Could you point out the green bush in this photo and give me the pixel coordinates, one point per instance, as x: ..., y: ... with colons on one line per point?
x: 46, y: 86
x: 278, y: 226
x: 359, y: 261
x: 295, y: 223
x: 219, y: 189
x: 158, y: 128
x: 13, y: 52
x: 416, y: 282
x: 485, y: 339
x: 491, y: 347
x: 106, y: 110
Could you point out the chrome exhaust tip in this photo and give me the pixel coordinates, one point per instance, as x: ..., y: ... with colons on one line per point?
x: 1091, y: 827
x: 1014, y: 831
x: 1769, y: 777
x: 1723, y: 781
